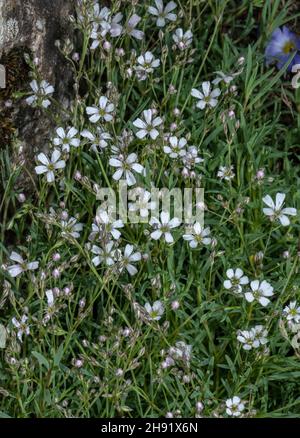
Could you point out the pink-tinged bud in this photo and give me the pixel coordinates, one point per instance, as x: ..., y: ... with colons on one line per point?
x: 67, y: 291
x: 76, y: 57
x: 173, y: 126
x: 78, y: 363
x: 56, y: 273
x: 185, y: 172
x: 106, y: 46
x: 120, y: 52
x: 286, y: 254
x: 175, y: 305
x: 199, y: 407
x: 56, y: 257
x: 21, y: 197
x: 64, y: 215
x: 77, y: 175
x: 169, y: 415
x: 260, y: 174
x: 82, y: 303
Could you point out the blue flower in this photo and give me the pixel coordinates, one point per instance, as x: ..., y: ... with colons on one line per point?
x: 282, y: 45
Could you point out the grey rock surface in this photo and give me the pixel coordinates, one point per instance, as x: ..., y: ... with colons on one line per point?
x: 35, y: 26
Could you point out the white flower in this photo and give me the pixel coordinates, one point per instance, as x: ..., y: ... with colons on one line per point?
x: 292, y: 312
x: 49, y: 166
x: 247, y: 338
x: 125, y: 166
x: 198, y: 235
x: 155, y: 311
x: 66, y: 139
x: 259, y: 292
x: 100, y: 15
x: 226, y: 173
x: 130, y: 257
x: 234, y: 406
x: 236, y: 279
x: 227, y: 78
x: 146, y: 65
x: 41, y: 91
x: 176, y: 148
x: 181, y: 351
x: 260, y: 334
x: 142, y: 204
x: 105, y: 23
x: 164, y: 227
x: 102, y: 218
x: 99, y: 140
x: 102, y: 112
x: 207, y: 96
x: 71, y: 227
x: 191, y: 158
x: 116, y: 28
x: 182, y: 39
x: 253, y: 338
x: 103, y: 255
x: 130, y: 28
x: 275, y: 210
x: 50, y: 298
x: 22, y: 326
x: 21, y: 265
x: 162, y: 13
x: 147, y: 127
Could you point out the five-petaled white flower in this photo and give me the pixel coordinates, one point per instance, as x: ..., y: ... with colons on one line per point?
x: 71, y: 227
x: 164, y: 227
x: 146, y: 65
x: 236, y: 280
x: 142, y: 203
x: 128, y: 258
x: 103, y: 111
x: 104, y: 255
x: 259, y: 292
x: 41, y: 91
x: 66, y: 139
x: 162, y: 13
x: 275, y: 210
x: 147, y: 126
x: 234, y: 406
x: 247, y: 338
x: 98, y: 140
x: 198, y: 235
x: 182, y: 39
x: 226, y: 173
x: 191, y: 158
x: 49, y: 166
x: 21, y: 265
x: 207, y: 97
x: 125, y: 166
x: 155, y: 311
x: 22, y: 326
x: 292, y: 312
x: 112, y: 227
x: 253, y: 338
x: 176, y: 148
